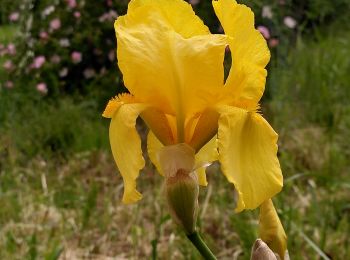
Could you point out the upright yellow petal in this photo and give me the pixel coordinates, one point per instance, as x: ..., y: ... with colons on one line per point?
x: 126, y: 148
x: 157, y: 121
x: 178, y: 14
x: 206, y: 127
x: 250, y: 54
x: 248, y: 155
x: 177, y: 75
x: 271, y: 229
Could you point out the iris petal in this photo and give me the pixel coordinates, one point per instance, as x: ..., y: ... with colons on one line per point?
x: 126, y: 148
x: 179, y: 15
x: 177, y: 75
x: 206, y: 155
x: 206, y: 128
x: 248, y: 155
x: 158, y: 122
x: 153, y: 147
x: 271, y: 229
x: 250, y: 54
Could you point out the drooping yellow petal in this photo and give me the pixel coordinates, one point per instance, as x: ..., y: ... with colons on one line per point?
x: 248, y: 156
x: 178, y: 14
x: 271, y: 229
x: 126, y: 148
x: 205, y: 156
x: 177, y: 75
x: 250, y: 54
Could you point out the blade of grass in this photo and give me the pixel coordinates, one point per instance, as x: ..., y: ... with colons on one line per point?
x: 311, y: 243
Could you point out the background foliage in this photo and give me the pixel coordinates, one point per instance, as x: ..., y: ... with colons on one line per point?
x: 59, y: 191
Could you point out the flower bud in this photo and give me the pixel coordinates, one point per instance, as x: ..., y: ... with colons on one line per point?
x: 182, y: 197
x: 271, y: 230
x: 260, y: 251
x: 181, y: 184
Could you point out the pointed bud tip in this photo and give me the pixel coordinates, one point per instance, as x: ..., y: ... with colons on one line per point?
x: 260, y: 251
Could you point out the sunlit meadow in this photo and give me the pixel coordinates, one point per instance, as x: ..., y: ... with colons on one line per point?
x: 60, y: 191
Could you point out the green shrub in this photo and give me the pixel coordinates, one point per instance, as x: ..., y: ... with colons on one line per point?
x: 65, y: 46
x: 9, y: 11
x: 32, y: 127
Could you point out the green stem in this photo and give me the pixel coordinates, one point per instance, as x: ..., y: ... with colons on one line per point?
x: 201, y: 246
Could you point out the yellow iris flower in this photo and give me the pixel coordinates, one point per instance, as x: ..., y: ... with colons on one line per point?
x: 173, y: 68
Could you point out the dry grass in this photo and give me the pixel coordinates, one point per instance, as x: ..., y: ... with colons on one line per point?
x: 72, y: 210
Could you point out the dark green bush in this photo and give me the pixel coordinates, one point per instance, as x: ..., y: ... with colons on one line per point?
x: 68, y: 46
x: 65, y: 46
x: 8, y: 7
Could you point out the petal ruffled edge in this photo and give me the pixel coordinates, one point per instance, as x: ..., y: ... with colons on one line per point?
x: 250, y: 54
x: 177, y: 13
x: 248, y: 155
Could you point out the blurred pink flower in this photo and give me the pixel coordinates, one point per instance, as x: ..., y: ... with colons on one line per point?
x: 89, y: 73
x: 76, y: 56
x: 8, y: 65
x: 111, y: 55
x: 43, y: 35
x: 13, y: 17
x: 11, y: 49
x: 110, y: 16
x: 63, y: 72
x: 194, y: 2
x: 264, y: 31
x: 267, y: 12
x: 38, y: 62
x: 71, y: 3
x: 48, y: 10
x: 77, y: 14
x: 9, y: 84
x: 55, y: 24
x: 273, y: 42
x: 42, y: 88
x: 113, y: 14
x: 55, y: 59
x: 289, y: 22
